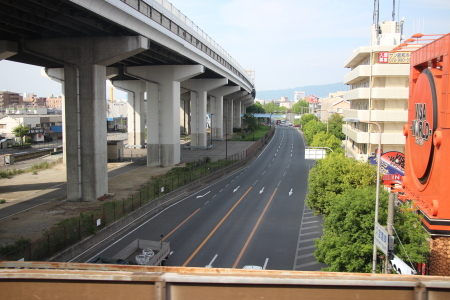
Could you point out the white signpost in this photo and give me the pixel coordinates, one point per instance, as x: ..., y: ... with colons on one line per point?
x: 381, y: 238
x: 314, y: 153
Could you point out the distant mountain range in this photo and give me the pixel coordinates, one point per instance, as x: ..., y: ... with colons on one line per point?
x: 316, y: 90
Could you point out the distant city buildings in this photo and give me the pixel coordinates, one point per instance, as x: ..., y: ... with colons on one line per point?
x: 334, y: 103
x: 298, y: 96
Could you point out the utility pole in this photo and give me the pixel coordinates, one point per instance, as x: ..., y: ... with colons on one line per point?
x: 390, y: 225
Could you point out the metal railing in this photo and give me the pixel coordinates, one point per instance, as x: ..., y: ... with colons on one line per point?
x: 212, y: 49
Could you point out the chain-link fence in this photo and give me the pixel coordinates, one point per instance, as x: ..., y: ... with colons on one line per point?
x: 73, y: 230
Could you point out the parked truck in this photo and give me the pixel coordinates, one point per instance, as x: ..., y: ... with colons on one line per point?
x: 139, y: 252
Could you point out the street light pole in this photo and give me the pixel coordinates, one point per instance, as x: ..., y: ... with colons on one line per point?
x: 377, y: 196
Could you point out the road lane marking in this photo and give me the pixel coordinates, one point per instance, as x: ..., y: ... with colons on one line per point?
x: 180, y: 225
x: 263, y: 173
x: 278, y: 184
x: 290, y: 193
x: 265, y: 263
x: 253, y: 231
x: 261, y: 190
x: 201, y: 196
x: 206, y: 202
x: 234, y: 191
x: 211, y: 262
x: 215, y: 228
x: 255, y: 182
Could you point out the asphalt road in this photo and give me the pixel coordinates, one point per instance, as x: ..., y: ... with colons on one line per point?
x: 256, y: 216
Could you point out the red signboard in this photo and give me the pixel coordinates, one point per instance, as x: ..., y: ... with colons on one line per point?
x: 383, y: 57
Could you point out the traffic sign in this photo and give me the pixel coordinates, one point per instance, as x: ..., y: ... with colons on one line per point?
x: 381, y: 238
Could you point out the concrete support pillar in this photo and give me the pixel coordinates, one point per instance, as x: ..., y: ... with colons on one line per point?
x: 237, y: 113
x: 163, y: 109
x: 185, y: 112
x: 228, y: 108
x: 85, y: 61
x: 199, y: 89
x: 216, y: 104
x: 237, y: 119
x: 136, y: 110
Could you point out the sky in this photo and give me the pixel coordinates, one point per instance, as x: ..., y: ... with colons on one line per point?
x: 288, y: 43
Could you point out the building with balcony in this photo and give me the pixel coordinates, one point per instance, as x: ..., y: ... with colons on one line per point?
x: 378, y: 93
x: 9, y: 99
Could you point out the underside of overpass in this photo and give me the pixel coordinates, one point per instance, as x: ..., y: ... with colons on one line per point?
x: 85, y: 42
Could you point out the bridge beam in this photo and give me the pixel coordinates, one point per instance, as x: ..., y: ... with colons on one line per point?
x: 85, y: 61
x: 163, y: 109
x: 216, y: 108
x: 136, y: 110
x: 199, y: 89
x: 7, y: 49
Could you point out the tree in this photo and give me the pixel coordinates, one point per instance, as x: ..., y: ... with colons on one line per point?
x: 271, y: 107
x: 306, y: 118
x: 324, y: 139
x: 347, y: 241
x: 312, y: 128
x: 334, y: 175
x: 283, y: 109
x: 300, y: 107
x: 21, y: 131
x: 335, y: 126
x: 251, y: 122
x: 256, y: 108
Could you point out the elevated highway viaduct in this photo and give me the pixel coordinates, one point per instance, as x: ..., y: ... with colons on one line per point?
x: 142, y: 47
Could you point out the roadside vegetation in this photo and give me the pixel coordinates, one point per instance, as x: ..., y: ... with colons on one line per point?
x: 34, y: 169
x: 343, y: 191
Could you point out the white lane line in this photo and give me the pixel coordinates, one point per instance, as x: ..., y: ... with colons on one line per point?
x: 306, y: 255
x: 307, y: 248
x: 265, y: 263
x: 261, y: 190
x: 255, y: 182
x: 236, y: 189
x: 201, y: 196
x: 206, y: 203
x: 211, y: 262
x: 263, y: 173
x: 305, y: 265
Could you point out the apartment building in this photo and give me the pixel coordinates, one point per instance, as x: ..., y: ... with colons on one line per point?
x: 334, y: 103
x: 378, y: 94
x: 33, y: 101
x: 54, y: 102
x: 9, y: 99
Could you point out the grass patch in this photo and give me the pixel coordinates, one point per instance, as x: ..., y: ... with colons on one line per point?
x: 2, y: 201
x: 254, y: 136
x: 34, y: 169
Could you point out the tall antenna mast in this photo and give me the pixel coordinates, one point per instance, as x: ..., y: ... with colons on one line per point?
x: 376, y: 8
x: 393, y: 11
